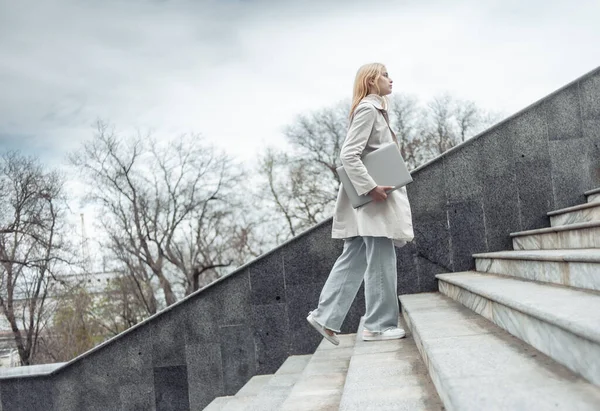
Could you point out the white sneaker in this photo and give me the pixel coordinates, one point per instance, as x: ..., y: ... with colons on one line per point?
x: 389, y: 334
x: 321, y: 329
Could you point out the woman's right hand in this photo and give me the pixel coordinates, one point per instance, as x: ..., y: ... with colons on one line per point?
x: 379, y: 193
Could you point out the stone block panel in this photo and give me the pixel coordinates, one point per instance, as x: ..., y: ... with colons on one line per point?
x: 308, y: 259
x: 238, y: 354
x: 499, y: 189
x: 205, y: 374
x: 467, y: 229
x: 589, y: 92
x: 271, y: 336
x: 171, y: 388
x: 563, y: 115
x: 267, y: 280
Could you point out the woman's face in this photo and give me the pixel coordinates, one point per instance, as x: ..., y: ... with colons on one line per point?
x: 385, y: 83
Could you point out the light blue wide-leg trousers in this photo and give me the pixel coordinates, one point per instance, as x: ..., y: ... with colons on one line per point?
x: 374, y: 260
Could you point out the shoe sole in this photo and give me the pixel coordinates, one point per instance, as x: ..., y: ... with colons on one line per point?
x: 383, y: 338
x: 321, y: 331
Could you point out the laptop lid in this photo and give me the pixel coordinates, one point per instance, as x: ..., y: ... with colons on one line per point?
x: 385, y: 165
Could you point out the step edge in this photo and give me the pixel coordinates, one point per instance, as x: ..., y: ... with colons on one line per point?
x: 592, y: 191
x: 257, y: 377
x: 560, y: 228
x: 522, y: 255
x: 577, y: 207
x: 524, y: 309
x: 268, y: 387
x: 289, y: 395
x: 432, y: 366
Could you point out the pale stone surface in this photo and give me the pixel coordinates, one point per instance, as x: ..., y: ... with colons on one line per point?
x: 583, y: 255
x: 575, y: 207
x: 253, y: 386
x: 272, y: 396
x: 218, y: 403
x: 584, y: 275
x: 388, y: 375
x: 574, y: 310
x: 294, y: 364
x: 321, y: 383
x: 590, y: 213
x: 593, y: 198
x: 562, y: 323
x: 267, y: 392
x: 491, y: 370
x: 237, y: 403
x: 588, y: 237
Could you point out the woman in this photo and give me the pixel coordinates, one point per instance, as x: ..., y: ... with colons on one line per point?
x: 371, y: 231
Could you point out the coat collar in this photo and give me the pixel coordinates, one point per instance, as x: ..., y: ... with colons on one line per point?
x: 376, y: 100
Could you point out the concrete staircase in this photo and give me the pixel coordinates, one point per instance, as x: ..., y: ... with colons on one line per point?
x: 355, y: 375
x: 522, y: 332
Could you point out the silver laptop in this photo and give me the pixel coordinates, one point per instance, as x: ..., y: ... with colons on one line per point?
x: 385, y: 165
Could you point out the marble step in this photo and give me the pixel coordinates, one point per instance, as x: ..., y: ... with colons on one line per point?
x: 581, y: 235
x: 581, y: 213
x: 561, y: 322
x: 475, y: 365
x: 593, y: 195
x: 575, y: 268
x: 245, y: 395
x: 218, y: 403
x: 388, y: 375
x: 321, y: 383
x: 272, y: 395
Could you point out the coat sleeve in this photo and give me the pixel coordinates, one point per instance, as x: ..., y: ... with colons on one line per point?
x: 354, y: 144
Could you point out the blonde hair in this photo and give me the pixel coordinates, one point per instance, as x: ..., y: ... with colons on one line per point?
x: 367, y: 72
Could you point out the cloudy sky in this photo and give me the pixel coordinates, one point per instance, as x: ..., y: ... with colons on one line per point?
x: 238, y: 71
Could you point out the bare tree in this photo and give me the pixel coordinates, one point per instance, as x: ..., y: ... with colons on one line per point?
x: 449, y: 121
x: 467, y: 118
x: 318, y: 137
x: 438, y: 127
x: 300, y: 187
x: 166, y: 209
x: 31, y: 246
x: 404, y: 116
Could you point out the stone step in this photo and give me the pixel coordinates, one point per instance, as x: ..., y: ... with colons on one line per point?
x: 247, y: 393
x: 272, y: 395
x: 388, y: 375
x: 593, y: 195
x: 581, y: 213
x: 475, y: 365
x: 243, y: 397
x: 218, y: 403
x: 254, y: 385
x: 321, y: 383
x: 574, y: 268
x: 581, y: 235
x: 561, y: 322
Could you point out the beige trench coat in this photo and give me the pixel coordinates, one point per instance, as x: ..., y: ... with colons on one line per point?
x: 390, y: 218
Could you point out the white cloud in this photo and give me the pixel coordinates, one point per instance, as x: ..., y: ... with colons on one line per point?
x: 238, y: 71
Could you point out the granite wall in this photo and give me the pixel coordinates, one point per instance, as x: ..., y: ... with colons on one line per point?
x: 464, y: 202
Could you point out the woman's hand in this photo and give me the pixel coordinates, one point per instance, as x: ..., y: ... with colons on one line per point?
x: 379, y: 193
